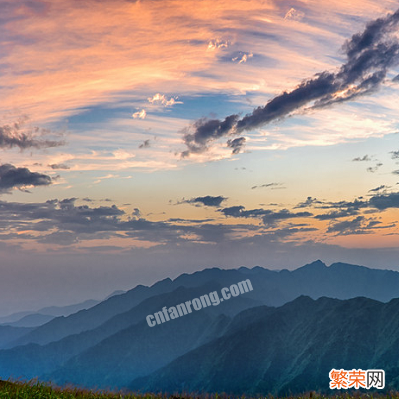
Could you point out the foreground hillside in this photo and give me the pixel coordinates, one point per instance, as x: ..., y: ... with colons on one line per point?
x: 289, y: 349
x: 40, y: 391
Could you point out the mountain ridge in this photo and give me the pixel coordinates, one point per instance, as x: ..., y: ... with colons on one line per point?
x: 286, y: 350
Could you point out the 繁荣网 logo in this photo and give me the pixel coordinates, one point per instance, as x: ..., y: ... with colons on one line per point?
x: 345, y: 379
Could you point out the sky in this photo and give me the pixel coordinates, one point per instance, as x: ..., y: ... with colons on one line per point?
x: 144, y: 139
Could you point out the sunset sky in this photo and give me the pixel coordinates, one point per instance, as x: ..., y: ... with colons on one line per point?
x: 143, y: 139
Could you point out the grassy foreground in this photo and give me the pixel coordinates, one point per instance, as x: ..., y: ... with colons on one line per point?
x: 34, y: 390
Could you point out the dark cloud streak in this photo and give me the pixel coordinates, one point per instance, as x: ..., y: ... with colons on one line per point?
x: 375, y: 190
x: 375, y: 168
x: 385, y: 201
x: 205, y: 131
x: 237, y: 144
x: 207, y: 200
x: 145, y: 144
x: 56, y: 166
x: 309, y: 202
x: 369, y: 55
x: 12, y: 177
x: 365, y: 158
x: 268, y: 216
x: 346, y: 227
x: 273, y: 186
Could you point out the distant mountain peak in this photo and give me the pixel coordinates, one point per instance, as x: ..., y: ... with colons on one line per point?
x: 316, y: 265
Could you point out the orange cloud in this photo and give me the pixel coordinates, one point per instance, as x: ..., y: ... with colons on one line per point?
x: 71, y: 54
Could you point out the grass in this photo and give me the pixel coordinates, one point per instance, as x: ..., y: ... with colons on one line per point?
x: 36, y: 390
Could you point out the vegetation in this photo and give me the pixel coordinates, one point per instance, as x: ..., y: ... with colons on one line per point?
x: 35, y: 390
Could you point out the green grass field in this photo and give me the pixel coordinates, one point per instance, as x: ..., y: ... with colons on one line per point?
x: 35, y: 390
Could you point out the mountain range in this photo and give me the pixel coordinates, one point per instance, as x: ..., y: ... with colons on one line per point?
x: 283, y: 336
x: 289, y: 349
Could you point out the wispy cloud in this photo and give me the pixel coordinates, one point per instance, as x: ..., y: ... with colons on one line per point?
x: 163, y: 100
x: 217, y: 44
x: 19, y: 134
x: 294, y: 14
x: 140, y: 114
x: 242, y: 58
